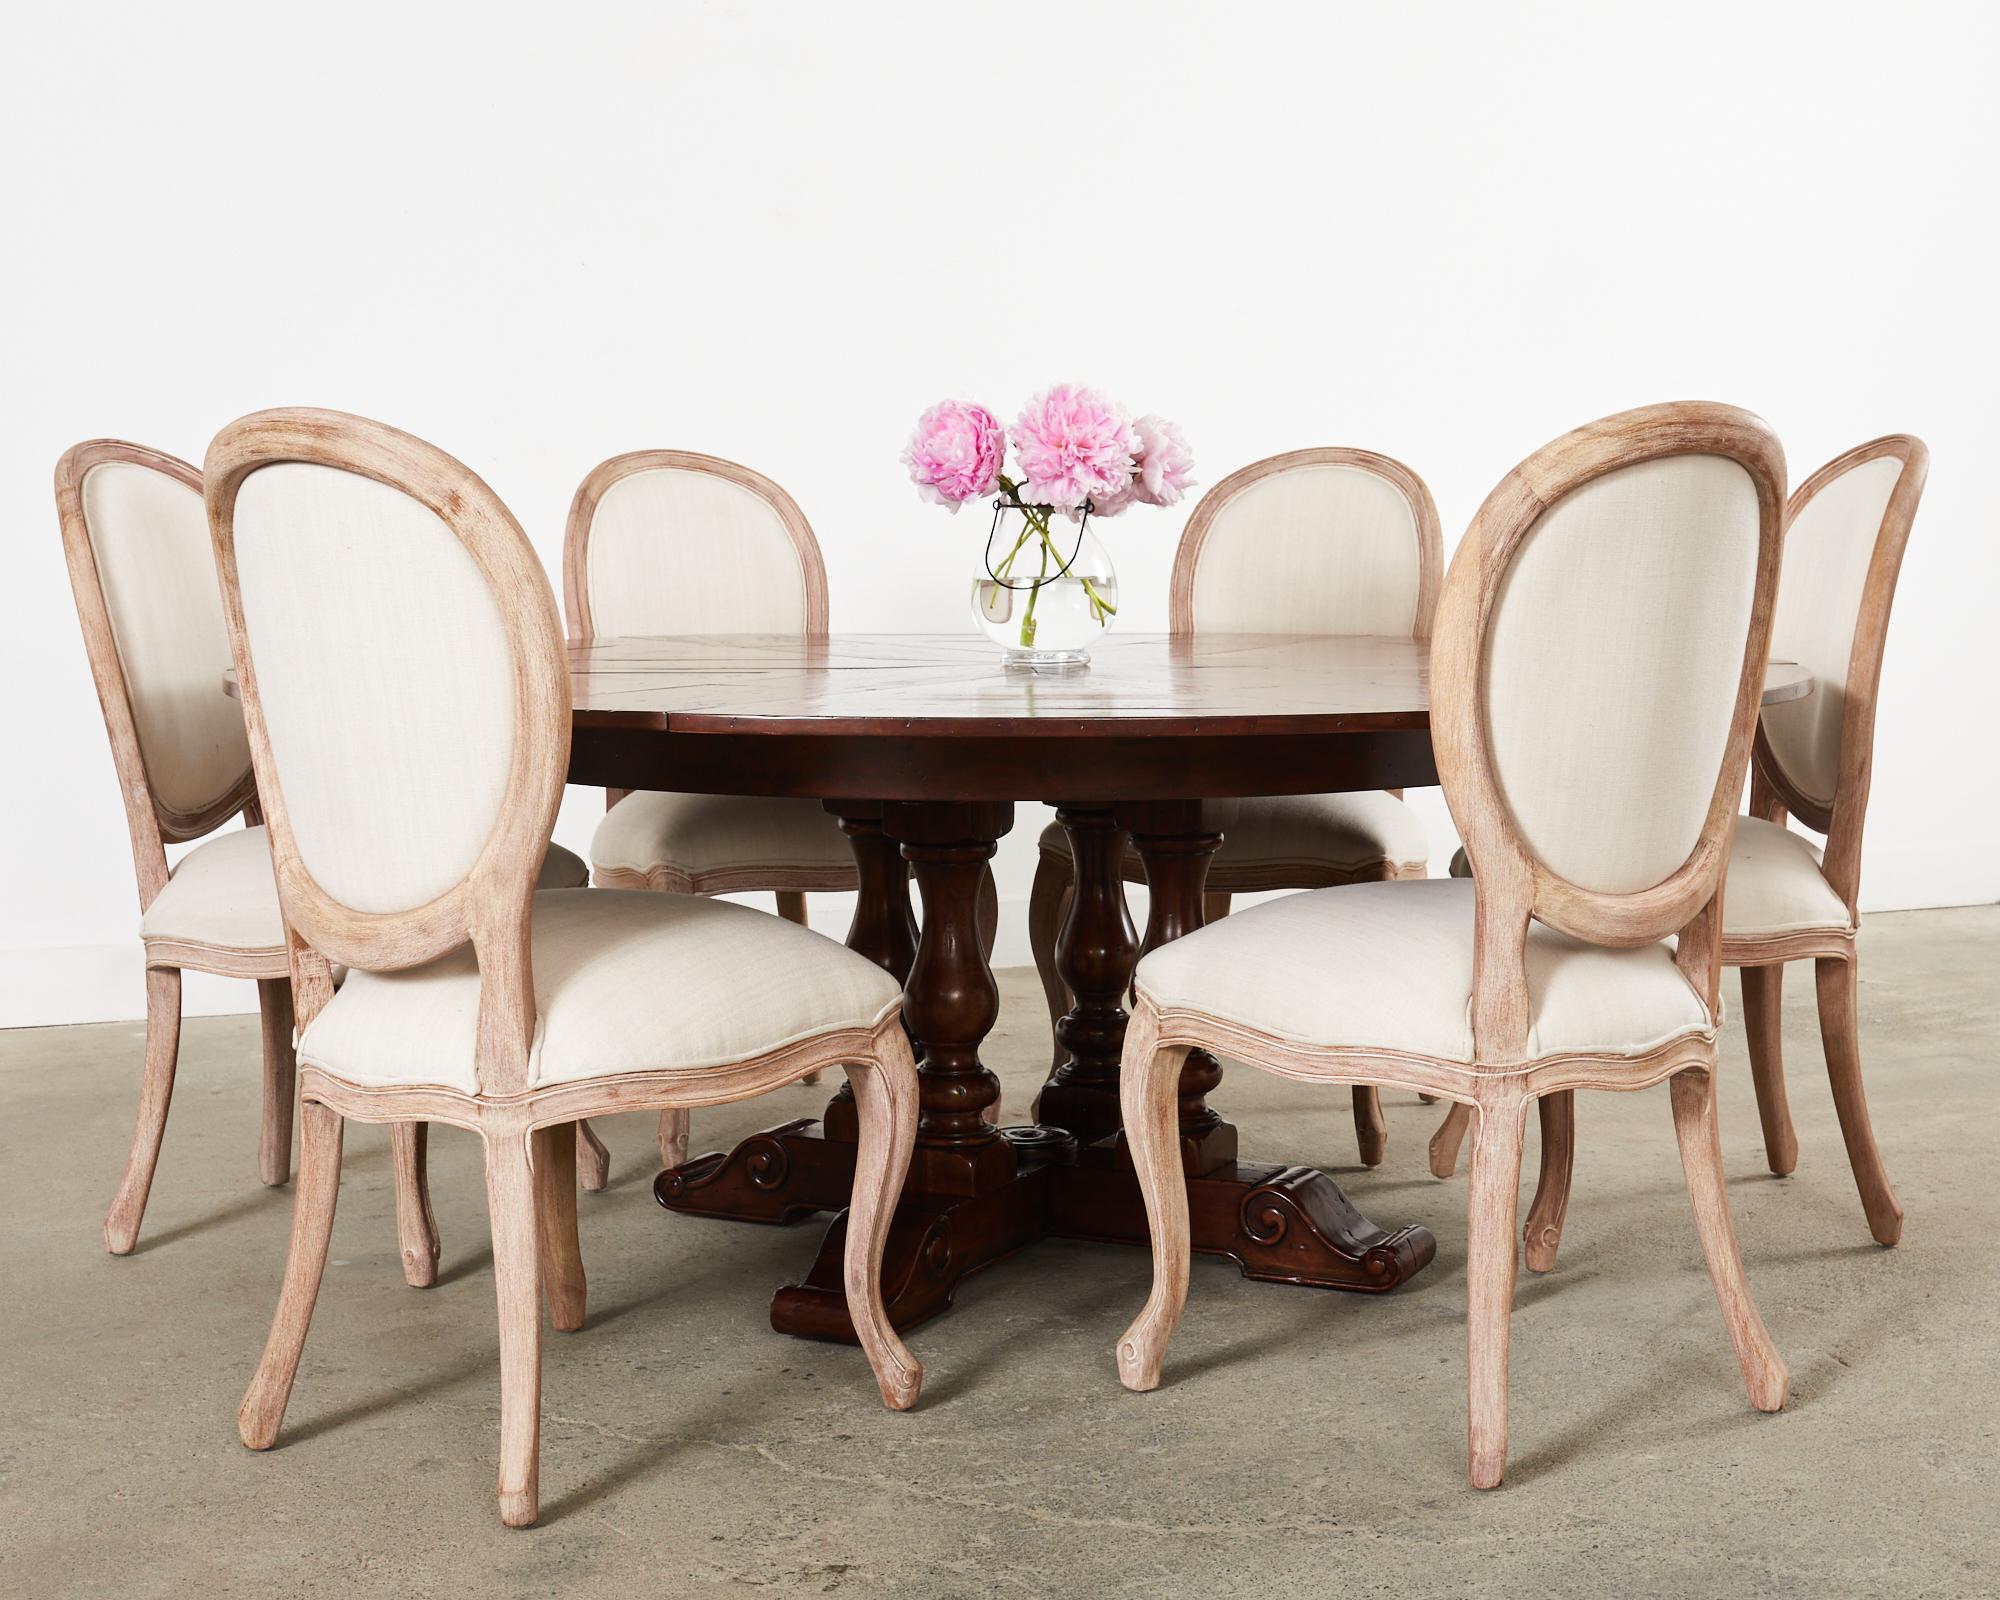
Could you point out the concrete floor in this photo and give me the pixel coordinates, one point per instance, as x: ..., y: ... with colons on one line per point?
x: 1305, y: 1443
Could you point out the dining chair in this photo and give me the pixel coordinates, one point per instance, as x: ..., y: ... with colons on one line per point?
x: 1846, y: 529
x: 136, y: 543
x: 1595, y: 673
x: 672, y: 542
x: 1313, y: 541
x: 406, y: 692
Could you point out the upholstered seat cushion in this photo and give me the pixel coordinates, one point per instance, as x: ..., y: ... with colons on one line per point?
x: 678, y: 839
x: 1341, y: 833
x: 222, y: 893
x: 1388, y: 966
x: 625, y: 981
x: 1775, y: 885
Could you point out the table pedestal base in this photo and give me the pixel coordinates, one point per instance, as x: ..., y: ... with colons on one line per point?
x: 976, y: 1194
x: 1279, y: 1224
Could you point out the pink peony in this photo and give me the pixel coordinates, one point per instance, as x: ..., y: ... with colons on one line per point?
x: 1110, y: 505
x: 956, y: 453
x: 1073, y: 445
x: 1165, y: 465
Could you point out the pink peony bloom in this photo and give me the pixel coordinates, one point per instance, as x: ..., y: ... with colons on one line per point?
x: 1165, y: 465
x: 1110, y: 505
x: 956, y: 453
x: 1072, y: 445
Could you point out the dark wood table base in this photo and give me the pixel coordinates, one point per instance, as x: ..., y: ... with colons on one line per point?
x: 976, y: 1194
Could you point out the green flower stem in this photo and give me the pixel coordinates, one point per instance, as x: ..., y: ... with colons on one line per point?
x: 1036, y: 526
x: 1034, y: 594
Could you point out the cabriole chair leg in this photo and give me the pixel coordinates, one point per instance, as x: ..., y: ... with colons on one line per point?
x: 274, y: 1140
x: 313, y: 1199
x: 416, y: 1223
x: 1695, y: 1127
x: 673, y: 1136
x: 593, y: 1160
x: 885, y: 1103
x: 1840, y: 1037
x: 555, y: 1199
x: 156, y: 1093
x: 1449, y: 1136
x: 1543, y: 1235
x: 1491, y: 1196
x: 511, y: 1200
x: 1763, y: 992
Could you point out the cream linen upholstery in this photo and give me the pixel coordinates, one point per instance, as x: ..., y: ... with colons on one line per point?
x: 222, y: 893
x: 1828, y: 548
x: 1345, y: 540
x: 1388, y: 966
x: 149, y: 536
x: 385, y: 679
x: 1775, y: 885
x: 673, y: 551
x: 1612, y: 661
x: 625, y: 981
x: 1344, y: 833
x: 682, y: 838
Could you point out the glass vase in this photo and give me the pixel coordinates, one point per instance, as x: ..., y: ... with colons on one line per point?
x: 1046, y: 589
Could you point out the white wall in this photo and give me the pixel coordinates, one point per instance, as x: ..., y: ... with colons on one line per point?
x: 542, y: 234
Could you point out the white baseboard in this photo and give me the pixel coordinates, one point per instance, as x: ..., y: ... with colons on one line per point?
x: 44, y: 987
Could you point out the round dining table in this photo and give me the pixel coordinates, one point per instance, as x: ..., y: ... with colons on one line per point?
x: 920, y: 746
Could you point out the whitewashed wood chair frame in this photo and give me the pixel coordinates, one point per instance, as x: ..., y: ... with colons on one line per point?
x: 1516, y: 884
x: 1833, y: 802
x: 184, y: 806
x: 1049, y: 899
x: 526, y: 1128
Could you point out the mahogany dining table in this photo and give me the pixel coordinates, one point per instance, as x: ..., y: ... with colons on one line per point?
x: 920, y: 746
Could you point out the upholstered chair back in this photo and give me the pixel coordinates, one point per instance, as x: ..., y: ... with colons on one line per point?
x: 143, y: 573
x: 665, y: 541
x: 1599, y: 656
x: 405, y: 686
x: 1847, y: 528
x: 1313, y: 541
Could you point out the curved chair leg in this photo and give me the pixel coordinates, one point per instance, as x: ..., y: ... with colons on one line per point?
x: 1449, y: 1136
x: 1491, y: 1195
x: 416, y: 1223
x: 885, y: 1105
x: 1371, y: 1133
x: 593, y: 1160
x: 555, y: 1226
x: 1149, y: 1101
x: 1701, y: 1161
x: 1543, y: 1235
x: 792, y: 907
x: 510, y: 1197
x: 156, y: 1093
x: 313, y: 1199
x: 1215, y: 906
x: 1763, y: 992
x: 1841, y: 1039
x: 673, y: 1136
x: 1047, y: 906
x: 274, y: 1139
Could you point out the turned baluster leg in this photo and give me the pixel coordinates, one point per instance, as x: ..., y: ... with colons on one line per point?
x: 951, y: 1001
x: 1096, y: 948
x: 1177, y: 849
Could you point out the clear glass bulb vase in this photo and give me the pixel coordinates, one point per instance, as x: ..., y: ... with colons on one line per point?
x: 1046, y: 590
